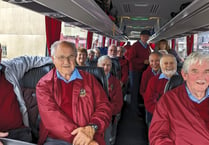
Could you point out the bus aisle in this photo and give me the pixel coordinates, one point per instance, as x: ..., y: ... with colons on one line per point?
x: 132, y: 129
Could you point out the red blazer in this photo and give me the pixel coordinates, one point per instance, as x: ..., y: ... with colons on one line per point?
x: 155, y: 89
x: 115, y: 93
x: 91, y: 107
x: 124, y: 70
x: 177, y: 122
x: 137, y: 55
x: 146, y: 76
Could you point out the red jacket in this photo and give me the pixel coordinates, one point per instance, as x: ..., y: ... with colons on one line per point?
x: 124, y: 70
x: 115, y: 93
x: 137, y: 55
x: 177, y: 122
x: 127, y: 47
x: 155, y: 89
x: 91, y: 107
x: 146, y: 76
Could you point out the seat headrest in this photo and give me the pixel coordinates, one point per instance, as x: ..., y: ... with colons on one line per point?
x: 116, y: 69
x: 31, y: 78
x: 98, y: 73
x: 175, y: 81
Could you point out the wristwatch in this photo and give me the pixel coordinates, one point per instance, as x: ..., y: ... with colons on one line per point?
x: 94, y: 126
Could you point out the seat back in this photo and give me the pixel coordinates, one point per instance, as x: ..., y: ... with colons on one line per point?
x: 116, y: 69
x: 28, y: 85
x: 175, y: 81
x: 99, y: 74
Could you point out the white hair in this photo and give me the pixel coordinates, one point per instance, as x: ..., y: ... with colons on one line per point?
x: 103, y: 58
x: 57, y: 43
x: 193, y: 58
x: 167, y: 55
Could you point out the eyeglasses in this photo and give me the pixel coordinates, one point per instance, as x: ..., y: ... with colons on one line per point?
x: 62, y: 58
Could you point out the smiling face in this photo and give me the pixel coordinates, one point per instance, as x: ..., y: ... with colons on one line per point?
x: 197, y: 77
x: 81, y: 58
x: 64, y: 60
x: 168, y: 65
x: 154, y: 61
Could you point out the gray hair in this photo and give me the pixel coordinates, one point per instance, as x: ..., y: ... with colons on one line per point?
x: 103, y: 58
x: 195, y: 57
x: 112, y: 45
x: 122, y: 48
x: 90, y: 51
x: 156, y: 53
x: 55, y: 45
x: 168, y: 55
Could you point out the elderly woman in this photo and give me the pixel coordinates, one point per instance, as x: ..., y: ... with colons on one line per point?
x: 81, y: 56
x: 115, y: 93
x: 182, y: 115
x: 114, y: 88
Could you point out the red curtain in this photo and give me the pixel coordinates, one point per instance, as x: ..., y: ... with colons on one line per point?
x: 53, y: 30
x: 89, y: 39
x: 118, y: 43
x: 110, y: 41
x: 103, y: 41
x: 173, y: 43
x: 190, y: 43
x: 152, y: 45
x: 122, y: 43
x: 113, y: 41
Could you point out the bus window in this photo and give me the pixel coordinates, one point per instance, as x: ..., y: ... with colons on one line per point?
x: 74, y: 34
x: 22, y: 31
x: 203, y: 41
x: 181, y: 47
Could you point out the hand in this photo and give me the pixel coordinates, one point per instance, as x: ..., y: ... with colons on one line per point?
x: 4, y: 134
x: 93, y: 143
x: 121, y: 84
x: 146, y: 61
x: 83, y: 135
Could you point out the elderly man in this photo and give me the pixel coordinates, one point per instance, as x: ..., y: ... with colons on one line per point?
x: 138, y: 61
x: 181, y: 115
x: 152, y: 70
x: 112, y: 51
x: 123, y: 64
x: 156, y: 85
x: 73, y: 106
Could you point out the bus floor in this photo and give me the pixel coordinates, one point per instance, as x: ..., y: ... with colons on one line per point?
x: 132, y: 129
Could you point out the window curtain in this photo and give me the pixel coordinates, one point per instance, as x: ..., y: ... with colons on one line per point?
x: 89, y: 39
x: 53, y: 30
x: 103, y: 41
x: 190, y: 43
x: 110, y: 41
x: 122, y: 43
x: 173, y: 43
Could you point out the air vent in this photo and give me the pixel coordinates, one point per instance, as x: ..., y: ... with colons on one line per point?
x: 154, y: 9
x: 20, y: 1
x: 126, y: 8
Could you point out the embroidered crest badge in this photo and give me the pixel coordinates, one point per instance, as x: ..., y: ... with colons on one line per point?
x: 82, y: 93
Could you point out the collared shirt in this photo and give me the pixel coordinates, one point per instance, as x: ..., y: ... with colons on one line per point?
x: 144, y: 45
x: 163, y: 76
x: 75, y: 75
x: 194, y: 99
x: 155, y: 73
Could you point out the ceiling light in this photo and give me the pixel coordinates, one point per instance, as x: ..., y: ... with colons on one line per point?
x: 141, y: 4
